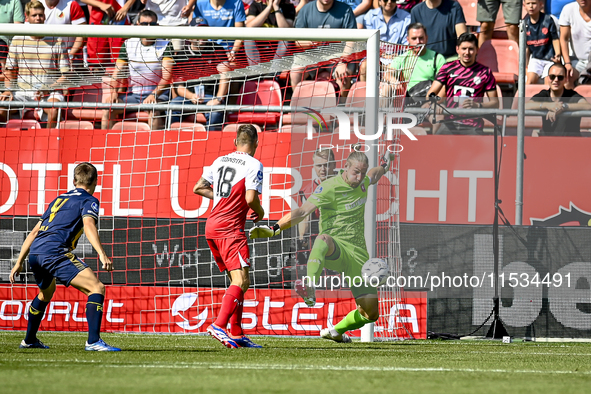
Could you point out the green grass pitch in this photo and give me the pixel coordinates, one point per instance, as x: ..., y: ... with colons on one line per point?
x: 199, y: 364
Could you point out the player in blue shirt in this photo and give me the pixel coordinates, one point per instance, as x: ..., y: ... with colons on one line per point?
x: 50, y: 247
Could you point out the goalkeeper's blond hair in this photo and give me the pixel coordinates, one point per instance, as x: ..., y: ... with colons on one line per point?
x: 357, y: 155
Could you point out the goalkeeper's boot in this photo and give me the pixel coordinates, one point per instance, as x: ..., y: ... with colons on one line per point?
x: 327, y: 334
x: 307, y: 293
x: 246, y: 342
x: 35, y: 345
x: 101, y: 346
x: 222, y: 336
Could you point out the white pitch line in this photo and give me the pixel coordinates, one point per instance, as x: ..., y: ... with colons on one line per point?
x: 348, y: 368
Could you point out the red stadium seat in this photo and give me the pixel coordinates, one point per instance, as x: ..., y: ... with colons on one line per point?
x: 187, y: 126
x: 233, y: 127
x: 469, y: 8
x: 356, y: 96
x: 296, y: 128
x: 258, y: 93
x: 195, y: 118
x: 23, y: 124
x: 131, y: 125
x: 86, y: 94
x: 313, y: 94
x: 76, y: 124
x: 502, y: 57
x: 585, y: 91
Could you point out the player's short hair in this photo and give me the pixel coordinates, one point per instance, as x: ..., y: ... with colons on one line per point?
x: 85, y: 174
x: 560, y: 66
x: 467, y: 37
x: 246, y: 135
x: 33, y: 5
x: 357, y: 155
x: 416, y: 26
x: 146, y: 13
x: 325, y: 153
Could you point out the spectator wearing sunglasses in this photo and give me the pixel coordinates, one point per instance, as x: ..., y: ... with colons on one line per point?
x: 170, y: 13
x: 149, y: 63
x: 556, y: 100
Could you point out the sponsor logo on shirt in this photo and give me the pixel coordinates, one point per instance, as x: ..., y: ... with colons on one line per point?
x: 94, y: 207
x: 318, y: 190
x: 355, y: 203
x: 260, y: 175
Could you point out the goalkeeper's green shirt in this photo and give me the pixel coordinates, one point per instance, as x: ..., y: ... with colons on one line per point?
x: 342, y: 209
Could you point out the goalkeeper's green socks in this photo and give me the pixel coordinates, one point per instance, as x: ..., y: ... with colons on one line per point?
x: 351, y: 322
x: 316, y: 259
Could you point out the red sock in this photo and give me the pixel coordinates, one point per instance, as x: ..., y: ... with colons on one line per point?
x: 230, y: 302
x: 236, y: 318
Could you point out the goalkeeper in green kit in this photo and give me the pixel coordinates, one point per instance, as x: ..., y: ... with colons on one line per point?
x: 340, y: 245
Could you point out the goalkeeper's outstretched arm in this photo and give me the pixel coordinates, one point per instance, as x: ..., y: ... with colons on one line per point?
x: 289, y: 220
x: 377, y: 172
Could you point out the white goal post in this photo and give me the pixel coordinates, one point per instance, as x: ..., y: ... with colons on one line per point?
x: 371, y: 38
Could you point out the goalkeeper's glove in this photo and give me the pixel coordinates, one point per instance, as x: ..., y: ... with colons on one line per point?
x: 386, y: 160
x: 264, y: 231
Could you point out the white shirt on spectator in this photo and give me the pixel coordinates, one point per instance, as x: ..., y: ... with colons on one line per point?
x: 66, y: 12
x: 580, y: 31
x: 168, y: 11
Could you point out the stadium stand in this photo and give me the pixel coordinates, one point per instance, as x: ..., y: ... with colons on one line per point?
x: 317, y: 94
x: 502, y: 57
x: 131, y: 125
x: 469, y: 8
x: 259, y: 93
x: 585, y: 91
x: 233, y: 127
x: 76, y: 124
x: 87, y: 94
x: 531, y: 122
x: 23, y: 124
x: 187, y: 126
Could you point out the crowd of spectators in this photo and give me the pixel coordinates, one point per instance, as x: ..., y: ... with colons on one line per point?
x: 143, y: 69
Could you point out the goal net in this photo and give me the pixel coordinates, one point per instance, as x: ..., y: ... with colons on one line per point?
x: 151, y: 120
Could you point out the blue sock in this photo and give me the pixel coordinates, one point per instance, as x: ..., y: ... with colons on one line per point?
x: 94, y: 316
x: 36, y: 312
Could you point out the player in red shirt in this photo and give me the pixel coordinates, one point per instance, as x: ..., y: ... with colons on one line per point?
x: 106, y: 49
x: 233, y: 182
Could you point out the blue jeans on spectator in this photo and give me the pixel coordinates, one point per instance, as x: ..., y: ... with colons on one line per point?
x: 214, y: 119
x: 136, y: 98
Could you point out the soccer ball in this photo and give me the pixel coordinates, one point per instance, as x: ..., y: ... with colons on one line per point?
x: 376, y: 271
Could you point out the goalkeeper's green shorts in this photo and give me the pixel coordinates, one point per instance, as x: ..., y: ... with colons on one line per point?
x: 349, y: 259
